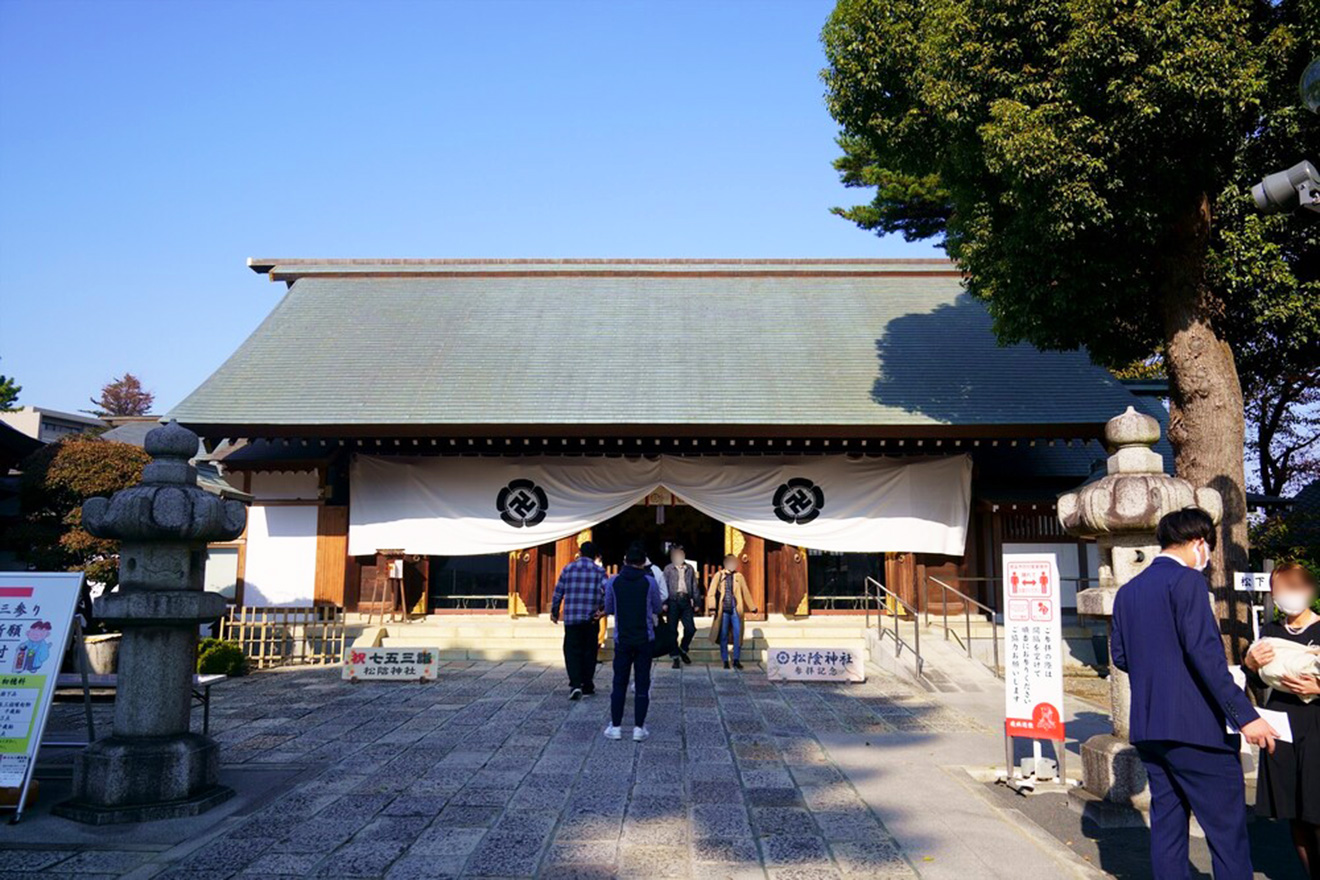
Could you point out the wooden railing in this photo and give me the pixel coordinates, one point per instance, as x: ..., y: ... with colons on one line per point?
x: 272, y: 636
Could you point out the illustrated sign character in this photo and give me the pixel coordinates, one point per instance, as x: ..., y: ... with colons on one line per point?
x: 522, y: 503
x: 798, y: 501
x: 36, y: 650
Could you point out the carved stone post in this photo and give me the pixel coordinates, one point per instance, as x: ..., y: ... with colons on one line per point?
x: 152, y: 766
x: 1121, y: 511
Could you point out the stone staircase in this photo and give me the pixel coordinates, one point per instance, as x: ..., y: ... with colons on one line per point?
x: 536, y: 639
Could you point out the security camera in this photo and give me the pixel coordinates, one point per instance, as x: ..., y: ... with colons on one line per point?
x: 1286, y: 191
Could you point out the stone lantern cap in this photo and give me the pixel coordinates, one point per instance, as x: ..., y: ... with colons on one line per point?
x: 1136, y: 493
x: 167, y: 505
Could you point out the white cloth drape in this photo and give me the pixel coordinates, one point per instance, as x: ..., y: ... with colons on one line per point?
x: 457, y: 506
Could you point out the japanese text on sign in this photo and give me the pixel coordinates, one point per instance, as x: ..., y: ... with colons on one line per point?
x: 390, y: 664
x: 814, y: 664
x: 36, y: 617
x: 1033, y: 680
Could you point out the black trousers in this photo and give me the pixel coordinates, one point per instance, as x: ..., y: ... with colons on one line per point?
x: 634, y: 660
x: 680, y: 611
x: 580, y: 651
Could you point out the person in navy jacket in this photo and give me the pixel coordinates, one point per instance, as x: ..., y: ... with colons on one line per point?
x: 1165, y: 638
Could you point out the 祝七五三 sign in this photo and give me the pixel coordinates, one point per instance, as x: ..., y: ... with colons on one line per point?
x: 814, y: 664
x: 36, y: 618
x: 391, y: 664
x: 1033, y: 676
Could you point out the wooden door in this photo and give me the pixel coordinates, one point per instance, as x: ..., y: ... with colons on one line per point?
x: 786, y: 579
x: 901, y: 577
x: 750, y: 550
x: 525, y: 582
x: 331, y: 555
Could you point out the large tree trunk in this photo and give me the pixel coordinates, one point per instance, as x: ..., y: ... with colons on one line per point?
x: 1206, y: 420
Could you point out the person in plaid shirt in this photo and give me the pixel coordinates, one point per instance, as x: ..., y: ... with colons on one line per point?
x: 581, y: 592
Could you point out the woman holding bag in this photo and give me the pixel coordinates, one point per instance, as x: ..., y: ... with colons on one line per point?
x: 731, y: 600
x: 1289, y: 784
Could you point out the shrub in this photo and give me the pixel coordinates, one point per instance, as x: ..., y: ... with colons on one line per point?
x: 216, y: 657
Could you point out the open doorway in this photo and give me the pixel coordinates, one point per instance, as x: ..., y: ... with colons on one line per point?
x: 658, y: 528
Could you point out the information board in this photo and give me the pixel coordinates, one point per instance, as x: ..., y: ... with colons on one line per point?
x: 1033, y: 678
x: 814, y: 664
x: 391, y: 664
x: 36, y: 622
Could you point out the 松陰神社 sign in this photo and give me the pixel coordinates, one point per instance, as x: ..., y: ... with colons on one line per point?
x: 814, y: 664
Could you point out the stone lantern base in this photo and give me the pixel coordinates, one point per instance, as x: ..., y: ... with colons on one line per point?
x: 140, y: 779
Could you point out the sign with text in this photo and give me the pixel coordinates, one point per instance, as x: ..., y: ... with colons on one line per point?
x: 391, y: 664
x: 1251, y: 581
x: 36, y: 619
x: 1033, y: 675
x: 814, y: 664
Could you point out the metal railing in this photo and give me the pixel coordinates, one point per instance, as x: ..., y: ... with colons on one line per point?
x: 900, y: 602
x: 968, y: 602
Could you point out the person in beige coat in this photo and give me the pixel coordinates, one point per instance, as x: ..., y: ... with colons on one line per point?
x: 729, y: 599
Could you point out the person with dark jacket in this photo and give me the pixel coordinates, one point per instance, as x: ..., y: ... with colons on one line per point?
x: 1164, y: 636
x: 1289, y: 783
x: 634, y: 599
x: 684, y: 597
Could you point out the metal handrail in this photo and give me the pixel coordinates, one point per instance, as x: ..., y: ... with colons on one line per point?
x: 899, y: 643
x: 967, y: 618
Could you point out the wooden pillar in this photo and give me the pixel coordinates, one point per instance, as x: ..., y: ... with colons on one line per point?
x: 525, y: 582
x: 331, y: 555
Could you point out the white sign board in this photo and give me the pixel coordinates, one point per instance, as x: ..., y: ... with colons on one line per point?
x: 36, y: 620
x: 814, y: 664
x: 1033, y: 679
x: 391, y: 664
x: 1251, y: 581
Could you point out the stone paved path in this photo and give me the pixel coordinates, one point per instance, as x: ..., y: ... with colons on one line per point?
x: 492, y: 772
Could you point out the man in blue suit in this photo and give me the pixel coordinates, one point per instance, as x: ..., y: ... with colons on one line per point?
x: 1165, y: 638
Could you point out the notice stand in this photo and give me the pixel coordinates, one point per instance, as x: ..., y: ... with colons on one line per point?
x: 37, y: 612
x: 1033, y: 680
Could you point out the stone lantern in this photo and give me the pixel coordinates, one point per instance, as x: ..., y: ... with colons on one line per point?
x: 153, y: 766
x: 1121, y: 512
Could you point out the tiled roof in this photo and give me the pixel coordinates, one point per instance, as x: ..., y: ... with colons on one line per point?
x: 789, y: 343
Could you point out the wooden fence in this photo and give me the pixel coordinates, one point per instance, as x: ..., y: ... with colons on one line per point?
x: 278, y: 636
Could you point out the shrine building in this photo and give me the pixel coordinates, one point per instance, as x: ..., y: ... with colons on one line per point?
x: 828, y: 421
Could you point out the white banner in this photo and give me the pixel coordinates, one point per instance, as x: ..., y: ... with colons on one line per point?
x: 1033, y: 680
x: 454, y: 506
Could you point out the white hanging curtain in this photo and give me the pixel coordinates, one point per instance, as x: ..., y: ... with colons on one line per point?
x: 455, y: 506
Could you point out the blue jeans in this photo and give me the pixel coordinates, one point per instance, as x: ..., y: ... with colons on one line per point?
x: 635, y: 659
x: 730, y: 623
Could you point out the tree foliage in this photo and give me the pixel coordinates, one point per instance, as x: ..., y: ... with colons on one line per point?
x: 1088, y: 166
x: 9, y: 390
x: 124, y: 396
x: 55, y: 482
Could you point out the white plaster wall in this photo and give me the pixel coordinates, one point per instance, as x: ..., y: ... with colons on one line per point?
x: 285, y: 485
x: 281, y: 555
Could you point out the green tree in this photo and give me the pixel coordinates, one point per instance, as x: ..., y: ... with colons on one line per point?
x: 124, y: 396
x: 1088, y: 165
x: 9, y: 390
x: 55, y: 482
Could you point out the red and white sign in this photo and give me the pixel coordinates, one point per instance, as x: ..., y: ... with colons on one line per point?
x: 1033, y: 679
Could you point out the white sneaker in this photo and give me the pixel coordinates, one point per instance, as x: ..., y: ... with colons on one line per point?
x: 612, y: 732
x: 639, y: 734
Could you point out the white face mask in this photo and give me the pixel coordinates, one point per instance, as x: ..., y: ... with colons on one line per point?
x: 1202, y: 556
x: 1292, y: 604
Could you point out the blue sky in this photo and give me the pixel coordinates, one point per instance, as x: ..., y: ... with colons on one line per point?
x: 147, y: 149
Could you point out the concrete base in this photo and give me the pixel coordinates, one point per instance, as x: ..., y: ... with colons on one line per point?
x: 93, y: 814
x: 1103, y: 813
x: 1112, y: 771
x: 165, y: 776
